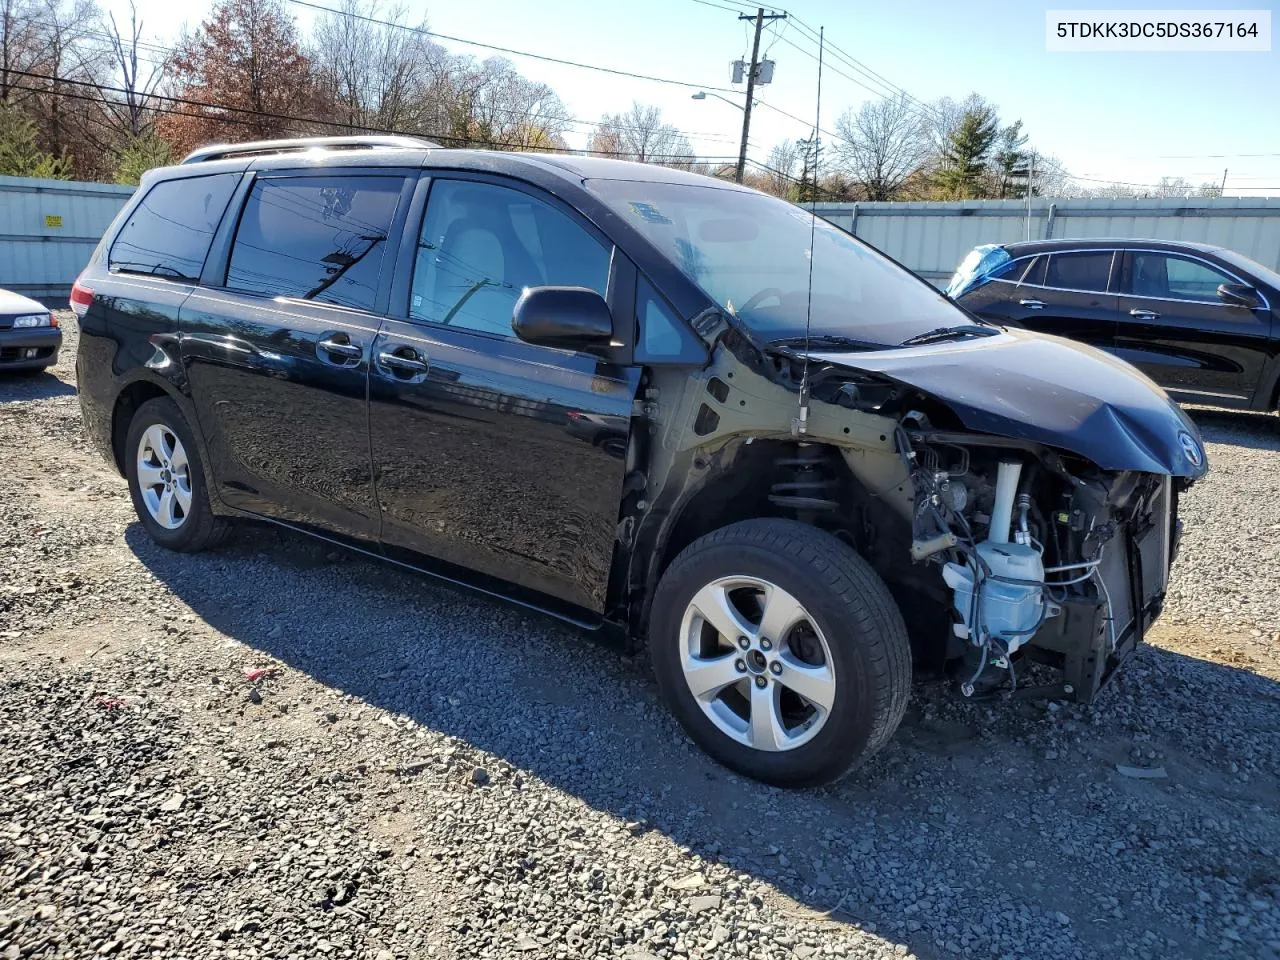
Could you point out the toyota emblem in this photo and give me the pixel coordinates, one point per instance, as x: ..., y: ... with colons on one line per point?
x: 1190, y: 448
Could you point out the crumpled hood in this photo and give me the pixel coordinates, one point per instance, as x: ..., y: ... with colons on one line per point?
x: 1050, y: 391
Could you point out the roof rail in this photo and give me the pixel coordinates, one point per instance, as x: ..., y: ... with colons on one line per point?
x: 219, y: 151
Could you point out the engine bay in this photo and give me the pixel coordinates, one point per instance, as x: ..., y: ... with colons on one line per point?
x: 1027, y: 544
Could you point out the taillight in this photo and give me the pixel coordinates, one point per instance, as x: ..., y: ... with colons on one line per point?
x: 81, y: 297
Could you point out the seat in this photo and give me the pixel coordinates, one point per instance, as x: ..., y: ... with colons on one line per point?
x: 480, y: 268
x: 1149, y: 279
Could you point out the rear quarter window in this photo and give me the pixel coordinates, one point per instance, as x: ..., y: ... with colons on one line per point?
x: 169, y: 231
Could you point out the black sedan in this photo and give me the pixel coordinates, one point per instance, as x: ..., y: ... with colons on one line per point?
x: 1202, y: 321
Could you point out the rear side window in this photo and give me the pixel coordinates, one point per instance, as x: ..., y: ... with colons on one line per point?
x: 1035, y: 273
x: 169, y: 232
x: 1089, y: 272
x: 315, y: 238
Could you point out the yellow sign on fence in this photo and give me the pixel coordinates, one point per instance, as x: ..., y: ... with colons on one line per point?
x: 52, y: 220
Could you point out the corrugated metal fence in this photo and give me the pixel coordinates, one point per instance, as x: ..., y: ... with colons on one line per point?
x: 48, y: 228
x: 932, y: 238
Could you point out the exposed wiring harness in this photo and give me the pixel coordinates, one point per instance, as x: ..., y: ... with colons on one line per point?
x: 936, y: 516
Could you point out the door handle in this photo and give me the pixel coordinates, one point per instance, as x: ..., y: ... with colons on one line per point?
x: 340, y: 348
x: 1032, y: 304
x: 1144, y: 314
x: 403, y: 360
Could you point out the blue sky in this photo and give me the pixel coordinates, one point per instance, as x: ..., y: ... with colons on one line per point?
x: 1131, y: 117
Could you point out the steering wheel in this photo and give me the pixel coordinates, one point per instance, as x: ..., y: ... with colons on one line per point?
x: 753, y: 301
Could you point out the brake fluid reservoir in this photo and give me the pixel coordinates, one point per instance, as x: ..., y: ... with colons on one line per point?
x: 1007, y: 611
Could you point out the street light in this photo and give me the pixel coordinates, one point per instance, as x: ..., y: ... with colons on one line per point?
x: 746, y: 126
x: 702, y: 95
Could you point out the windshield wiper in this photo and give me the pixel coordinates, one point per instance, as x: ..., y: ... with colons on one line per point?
x: 950, y: 333
x: 827, y: 340
x: 159, y: 270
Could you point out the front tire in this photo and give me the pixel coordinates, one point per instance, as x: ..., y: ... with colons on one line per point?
x: 166, y: 480
x: 780, y: 651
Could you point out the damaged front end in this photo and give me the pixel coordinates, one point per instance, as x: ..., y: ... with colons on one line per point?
x: 1048, y: 560
x: 1044, y: 483
x: 1017, y: 494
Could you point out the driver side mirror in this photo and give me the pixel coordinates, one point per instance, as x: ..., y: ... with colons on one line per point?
x: 1238, y: 295
x: 567, y: 318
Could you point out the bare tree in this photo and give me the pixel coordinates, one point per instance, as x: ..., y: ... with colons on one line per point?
x: 139, y: 78
x: 1051, y: 178
x: 640, y: 134
x: 882, y: 144
x: 1173, y: 187
x: 779, y: 178
x: 54, y: 69
x: 515, y: 112
x: 19, y: 46
x: 374, y: 75
x: 944, y: 116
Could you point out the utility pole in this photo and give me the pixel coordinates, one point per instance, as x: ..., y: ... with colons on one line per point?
x: 1031, y: 180
x: 759, y: 18
x: 1222, y: 191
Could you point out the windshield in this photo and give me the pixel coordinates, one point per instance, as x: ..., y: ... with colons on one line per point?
x: 751, y: 254
x: 980, y: 263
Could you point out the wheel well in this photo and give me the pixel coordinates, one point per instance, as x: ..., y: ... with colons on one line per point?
x: 739, y: 491
x: 130, y: 399
x: 814, y: 485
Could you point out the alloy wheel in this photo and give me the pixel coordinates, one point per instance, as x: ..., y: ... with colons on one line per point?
x: 164, y: 476
x: 757, y: 663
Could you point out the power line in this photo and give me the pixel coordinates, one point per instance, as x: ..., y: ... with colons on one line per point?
x: 429, y: 33
x: 261, y: 114
x: 509, y: 50
x: 724, y: 162
x: 862, y: 68
x: 522, y: 53
x: 809, y: 33
x: 838, y: 72
x: 703, y: 136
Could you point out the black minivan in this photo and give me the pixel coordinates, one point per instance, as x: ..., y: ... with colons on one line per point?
x: 1200, y: 320
x: 644, y: 401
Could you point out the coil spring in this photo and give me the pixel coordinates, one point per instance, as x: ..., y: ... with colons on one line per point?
x: 809, y: 486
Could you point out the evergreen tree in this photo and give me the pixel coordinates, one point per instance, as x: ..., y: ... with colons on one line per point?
x: 809, y: 159
x: 1010, y: 161
x: 20, y: 153
x: 139, y: 155
x: 965, y: 152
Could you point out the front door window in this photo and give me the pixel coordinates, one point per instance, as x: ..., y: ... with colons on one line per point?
x: 483, y: 244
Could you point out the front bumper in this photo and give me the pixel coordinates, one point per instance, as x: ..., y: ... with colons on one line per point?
x: 1093, y: 637
x: 29, y: 348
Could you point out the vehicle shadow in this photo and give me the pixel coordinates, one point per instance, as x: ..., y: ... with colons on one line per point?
x: 1241, y: 428
x: 977, y: 822
x: 24, y: 385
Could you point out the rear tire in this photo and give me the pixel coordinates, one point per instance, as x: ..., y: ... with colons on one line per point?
x: 166, y: 480
x: 846, y: 648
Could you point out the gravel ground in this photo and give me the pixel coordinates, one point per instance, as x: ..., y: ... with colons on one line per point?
x: 421, y: 773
